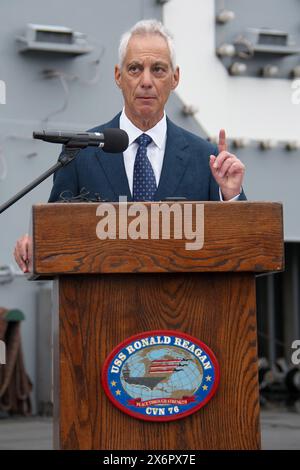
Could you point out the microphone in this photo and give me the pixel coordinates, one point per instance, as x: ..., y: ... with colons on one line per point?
x: 110, y: 140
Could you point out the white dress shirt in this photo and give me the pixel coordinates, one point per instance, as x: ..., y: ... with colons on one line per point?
x: 155, y: 150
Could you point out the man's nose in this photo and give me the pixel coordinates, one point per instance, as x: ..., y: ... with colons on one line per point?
x: 146, y: 79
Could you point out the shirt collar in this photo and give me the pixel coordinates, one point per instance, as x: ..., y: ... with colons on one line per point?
x: 157, y: 133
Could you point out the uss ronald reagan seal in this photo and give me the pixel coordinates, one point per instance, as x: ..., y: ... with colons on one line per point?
x: 160, y: 375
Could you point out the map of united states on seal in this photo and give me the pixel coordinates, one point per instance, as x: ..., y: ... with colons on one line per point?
x: 158, y: 371
x: 162, y: 372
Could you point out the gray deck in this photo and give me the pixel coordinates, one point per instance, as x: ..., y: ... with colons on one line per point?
x: 280, y: 430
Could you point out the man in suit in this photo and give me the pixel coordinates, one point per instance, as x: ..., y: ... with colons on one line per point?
x: 162, y: 160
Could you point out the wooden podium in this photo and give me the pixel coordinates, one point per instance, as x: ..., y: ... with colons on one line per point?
x: 108, y: 290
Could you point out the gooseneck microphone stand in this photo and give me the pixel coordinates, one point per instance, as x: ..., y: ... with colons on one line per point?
x: 68, y: 154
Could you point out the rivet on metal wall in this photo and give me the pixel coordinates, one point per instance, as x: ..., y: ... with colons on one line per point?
x: 226, y: 50
x: 189, y: 110
x: 237, y: 68
x: 224, y: 16
x: 270, y: 71
x: 292, y: 145
x: 296, y: 72
x: 241, y: 142
x: 268, y: 144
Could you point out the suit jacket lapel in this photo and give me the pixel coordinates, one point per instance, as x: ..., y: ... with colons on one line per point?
x: 174, y: 165
x: 113, y: 166
x: 175, y: 162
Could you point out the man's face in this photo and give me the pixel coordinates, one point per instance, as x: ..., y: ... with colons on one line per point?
x: 146, y: 79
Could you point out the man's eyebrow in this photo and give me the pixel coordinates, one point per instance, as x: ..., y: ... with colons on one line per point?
x: 161, y: 62
x: 134, y: 62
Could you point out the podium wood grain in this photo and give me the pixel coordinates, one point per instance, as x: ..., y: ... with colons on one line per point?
x: 239, y: 236
x: 109, y: 290
x: 99, y: 312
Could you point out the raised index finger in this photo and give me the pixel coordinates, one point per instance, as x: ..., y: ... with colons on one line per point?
x: 222, y: 141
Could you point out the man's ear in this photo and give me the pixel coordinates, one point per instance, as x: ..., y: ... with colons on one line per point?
x: 176, y: 76
x: 118, y: 76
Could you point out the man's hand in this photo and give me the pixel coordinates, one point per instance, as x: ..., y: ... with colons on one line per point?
x: 22, y: 253
x: 227, y: 170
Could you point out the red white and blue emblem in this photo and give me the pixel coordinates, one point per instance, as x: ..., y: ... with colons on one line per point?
x: 160, y: 375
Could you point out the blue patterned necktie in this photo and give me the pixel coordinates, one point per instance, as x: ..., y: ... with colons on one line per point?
x: 144, y: 183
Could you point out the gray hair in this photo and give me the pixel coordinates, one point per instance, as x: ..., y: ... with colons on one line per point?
x: 143, y: 28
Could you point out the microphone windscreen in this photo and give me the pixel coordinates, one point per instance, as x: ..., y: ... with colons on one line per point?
x: 115, y: 140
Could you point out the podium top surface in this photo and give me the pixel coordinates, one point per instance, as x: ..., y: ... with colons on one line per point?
x: 93, y: 238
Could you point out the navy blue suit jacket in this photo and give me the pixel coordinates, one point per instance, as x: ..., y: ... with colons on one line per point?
x: 185, y: 171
